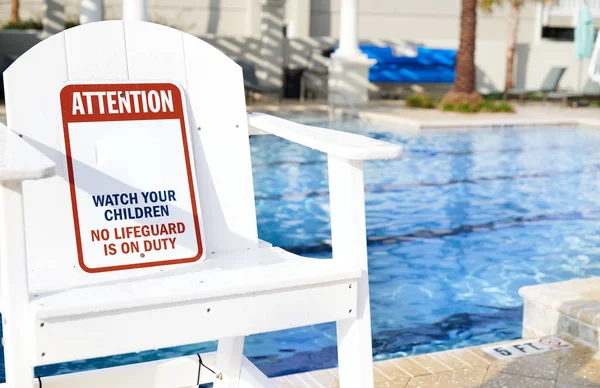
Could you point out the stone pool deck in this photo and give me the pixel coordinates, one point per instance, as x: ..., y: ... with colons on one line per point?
x: 576, y: 367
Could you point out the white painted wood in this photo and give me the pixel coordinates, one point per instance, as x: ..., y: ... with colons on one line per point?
x: 216, y: 96
x: 252, y: 377
x: 229, y: 362
x: 169, y: 373
x: 349, y: 244
x: 109, y: 52
x: 91, y: 11
x: 96, y: 52
x: 135, y: 10
x: 28, y: 89
x: 33, y: 110
x: 134, y: 329
x: 65, y: 293
x: 335, y: 143
x: 161, y: 47
x: 16, y: 318
x: 264, y: 244
x: 19, y: 161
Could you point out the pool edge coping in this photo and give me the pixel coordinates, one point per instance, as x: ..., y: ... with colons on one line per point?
x: 416, y: 124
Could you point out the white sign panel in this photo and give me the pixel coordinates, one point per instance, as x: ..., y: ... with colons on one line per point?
x: 527, y: 348
x: 133, y: 185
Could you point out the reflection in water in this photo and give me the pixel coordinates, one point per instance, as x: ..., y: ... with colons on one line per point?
x: 455, y: 228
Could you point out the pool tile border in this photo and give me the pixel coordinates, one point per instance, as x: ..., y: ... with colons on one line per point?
x: 471, y: 367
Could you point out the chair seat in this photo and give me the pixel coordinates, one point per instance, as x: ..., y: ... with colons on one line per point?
x: 220, y: 275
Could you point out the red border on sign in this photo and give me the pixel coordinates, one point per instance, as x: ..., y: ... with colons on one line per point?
x: 66, y: 96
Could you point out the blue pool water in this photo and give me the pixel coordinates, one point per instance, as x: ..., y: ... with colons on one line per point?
x: 455, y: 228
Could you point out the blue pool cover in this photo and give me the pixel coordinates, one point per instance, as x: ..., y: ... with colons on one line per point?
x: 430, y: 65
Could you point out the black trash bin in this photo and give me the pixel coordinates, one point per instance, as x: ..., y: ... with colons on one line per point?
x: 292, y: 78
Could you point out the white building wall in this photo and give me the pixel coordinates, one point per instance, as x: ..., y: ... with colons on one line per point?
x: 199, y: 17
x: 414, y: 20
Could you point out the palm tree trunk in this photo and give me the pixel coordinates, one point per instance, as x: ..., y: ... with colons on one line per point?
x: 465, y: 60
x: 513, y: 29
x: 14, y: 11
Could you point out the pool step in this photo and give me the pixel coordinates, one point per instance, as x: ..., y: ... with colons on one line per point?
x: 571, y: 307
x: 572, y: 367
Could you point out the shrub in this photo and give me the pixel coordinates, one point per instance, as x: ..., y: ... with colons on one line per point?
x: 495, y: 96
x: 482, y: 106
x: 414, y: 101
x: 420, y: 101
x: 537, y: 96
x: 505, y: 106
x: 34, y: 24
x: 487, y: 106
x: 30, y: 24
x: 447, y: 107
x: 430, y: 105
x: 71, y: 24
x: 464, y: 107
x: 456, y: 98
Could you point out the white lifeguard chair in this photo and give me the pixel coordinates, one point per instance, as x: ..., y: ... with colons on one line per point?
x: 73, y: 176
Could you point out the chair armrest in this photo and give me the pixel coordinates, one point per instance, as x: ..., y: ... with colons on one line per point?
x: 19, y: 161
x: 335, y: 143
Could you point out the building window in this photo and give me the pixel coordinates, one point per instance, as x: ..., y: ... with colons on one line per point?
x: 562, y: 34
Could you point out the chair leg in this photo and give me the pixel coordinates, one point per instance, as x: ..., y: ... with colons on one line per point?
x: 17, y: 324
x: 355, y: 354
x: 18, y: 367
x: 349, y: 243
x: 229, y: 361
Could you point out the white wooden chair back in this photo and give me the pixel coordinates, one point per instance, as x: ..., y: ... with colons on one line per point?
x: 118, y: 51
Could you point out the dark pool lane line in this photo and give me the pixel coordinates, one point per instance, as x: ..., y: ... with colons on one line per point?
x: 399, y: 188
x: 512, y: 222
x: 393, y: 341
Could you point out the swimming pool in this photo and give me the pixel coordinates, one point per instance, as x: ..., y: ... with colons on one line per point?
x: 455, y: 228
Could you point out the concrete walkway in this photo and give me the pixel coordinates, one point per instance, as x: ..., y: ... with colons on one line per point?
x: 472, y: 368
x: 529, y: 114
x: 393, y: 115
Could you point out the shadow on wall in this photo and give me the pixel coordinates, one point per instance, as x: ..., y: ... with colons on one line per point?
x: 320, y: 18
x: 272, y: 43
x: 267, y: 52
x: 214, y: 16
x: 54, y: 16
x: 484, y: 82
x: 522, y: 58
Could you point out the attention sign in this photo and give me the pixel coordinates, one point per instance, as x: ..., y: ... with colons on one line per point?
x: 130, y: 166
